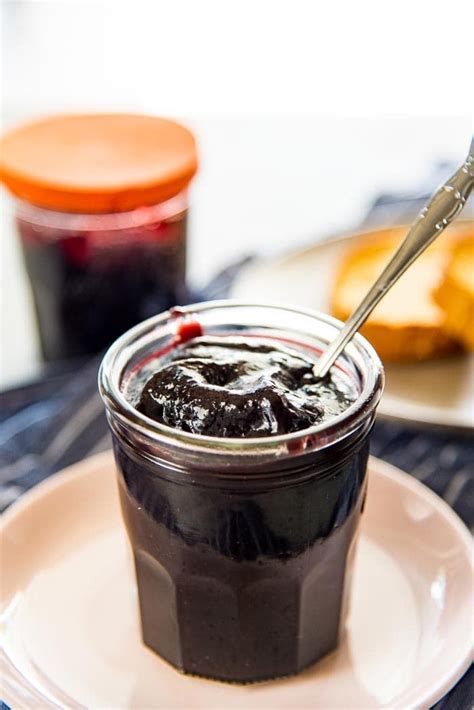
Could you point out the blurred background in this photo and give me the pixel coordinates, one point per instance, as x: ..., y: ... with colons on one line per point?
x: 289, y: 152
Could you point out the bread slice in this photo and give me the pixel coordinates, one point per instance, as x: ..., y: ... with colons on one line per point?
x: 408, y: 325
x: 455, y: 294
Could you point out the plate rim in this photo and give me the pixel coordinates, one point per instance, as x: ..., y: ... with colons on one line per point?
x: 376, y: 466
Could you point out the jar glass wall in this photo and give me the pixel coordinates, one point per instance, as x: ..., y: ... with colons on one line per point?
x: 243, y: 548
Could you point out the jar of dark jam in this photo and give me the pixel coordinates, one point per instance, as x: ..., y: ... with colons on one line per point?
x: 243, y: 547
x: 101, y: 211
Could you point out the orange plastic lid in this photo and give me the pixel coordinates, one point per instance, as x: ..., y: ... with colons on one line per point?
x: 97, y: 162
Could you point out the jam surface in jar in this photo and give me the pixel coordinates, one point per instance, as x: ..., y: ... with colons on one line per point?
x: 230, y: 386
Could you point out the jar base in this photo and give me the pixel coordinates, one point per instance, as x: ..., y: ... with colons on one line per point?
x: 246, y: 681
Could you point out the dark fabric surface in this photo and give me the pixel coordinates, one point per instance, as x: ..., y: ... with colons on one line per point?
x: 52, y: 423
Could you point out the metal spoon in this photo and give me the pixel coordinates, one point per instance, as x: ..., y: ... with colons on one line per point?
x: 446, y: 204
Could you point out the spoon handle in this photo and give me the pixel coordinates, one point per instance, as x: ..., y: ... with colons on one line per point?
x: 446, y: 203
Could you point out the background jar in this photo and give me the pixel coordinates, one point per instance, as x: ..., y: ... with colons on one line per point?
x: 101, y: 209
x: 243, y: 548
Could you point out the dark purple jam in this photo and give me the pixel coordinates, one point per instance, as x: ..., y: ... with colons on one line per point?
x: 91, y: 286
x: 240, y: 387
x: 243, y: 565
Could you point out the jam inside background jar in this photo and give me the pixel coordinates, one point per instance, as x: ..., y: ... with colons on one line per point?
x: 243, y: 549
x: 95, y: 276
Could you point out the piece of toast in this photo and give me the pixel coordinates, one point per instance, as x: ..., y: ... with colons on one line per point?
x: 408, y: 325
x: 455, y: 294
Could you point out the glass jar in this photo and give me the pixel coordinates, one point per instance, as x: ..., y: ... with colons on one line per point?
x: 101, y: 211
x: 243, y: 548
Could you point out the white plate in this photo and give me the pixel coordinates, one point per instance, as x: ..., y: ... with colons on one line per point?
x: 70, y: 627
x: 436, y: 392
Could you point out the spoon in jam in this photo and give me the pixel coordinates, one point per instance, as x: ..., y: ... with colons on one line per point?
x: 443, y: 207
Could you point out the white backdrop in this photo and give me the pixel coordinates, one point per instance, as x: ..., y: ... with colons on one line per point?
x: 284, y: 96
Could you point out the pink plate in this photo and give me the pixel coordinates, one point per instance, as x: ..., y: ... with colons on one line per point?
x: 69, y: 613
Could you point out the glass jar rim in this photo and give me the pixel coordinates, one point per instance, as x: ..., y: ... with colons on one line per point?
x: 335, y: 428
x: 46, y: 218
